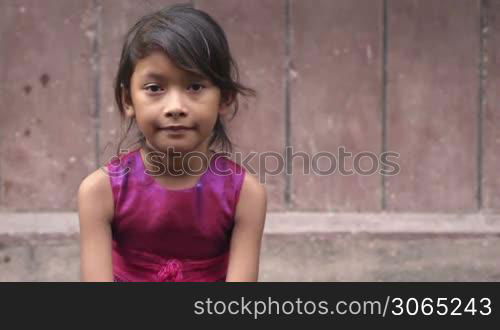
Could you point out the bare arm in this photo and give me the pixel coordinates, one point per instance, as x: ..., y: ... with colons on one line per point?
x: 95, y: 210
x: 247, y: 232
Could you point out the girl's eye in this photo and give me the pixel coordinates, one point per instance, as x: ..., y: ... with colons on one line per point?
x: 153, y: 88
x: 196, y: 87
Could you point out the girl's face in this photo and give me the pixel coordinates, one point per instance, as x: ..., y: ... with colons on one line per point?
x: 164, y: 95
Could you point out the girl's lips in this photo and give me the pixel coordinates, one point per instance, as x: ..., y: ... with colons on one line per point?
x: 176, y: 130
x: 177, y: 127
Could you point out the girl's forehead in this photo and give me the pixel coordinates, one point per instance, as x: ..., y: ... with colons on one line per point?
x: 157, y: 65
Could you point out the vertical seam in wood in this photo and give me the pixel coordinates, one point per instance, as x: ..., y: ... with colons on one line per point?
x: 96, y: 55
x: 384, y: 99
x: 288, y: 138
x: 483, y: 29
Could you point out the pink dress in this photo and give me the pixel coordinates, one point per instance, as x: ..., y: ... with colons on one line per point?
x: 164, y: 235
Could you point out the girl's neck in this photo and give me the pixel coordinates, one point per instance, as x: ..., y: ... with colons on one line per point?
x: 175, y: 164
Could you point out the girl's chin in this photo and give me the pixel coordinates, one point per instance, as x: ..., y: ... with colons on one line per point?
x: 173, y: 146
x: 165, y: 144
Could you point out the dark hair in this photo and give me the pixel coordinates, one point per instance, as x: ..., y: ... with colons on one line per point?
x: 194, y: 42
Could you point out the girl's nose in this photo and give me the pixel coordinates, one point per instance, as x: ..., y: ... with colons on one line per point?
x: 174, y: 106
x: 175, y: 113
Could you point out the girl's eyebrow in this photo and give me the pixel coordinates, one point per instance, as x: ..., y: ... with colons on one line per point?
x: 154, y: 76
x: 196, y: 76
x: 161, y: 77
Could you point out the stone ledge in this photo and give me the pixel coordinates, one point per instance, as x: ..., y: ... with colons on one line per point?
x: 299, y: 257
x: 296, y: 247
x: 66, y: 223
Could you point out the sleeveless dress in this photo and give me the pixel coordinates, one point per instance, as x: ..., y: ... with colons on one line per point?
x: 165, y: 235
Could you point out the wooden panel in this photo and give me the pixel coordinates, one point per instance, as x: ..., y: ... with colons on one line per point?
x: 491, y: 121
x: 256, y: 32
x: 432, y: 108
x: 47, y: 129
x: 336, y: 85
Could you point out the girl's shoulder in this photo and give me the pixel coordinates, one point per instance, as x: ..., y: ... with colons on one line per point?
x: 97, y: 188
x: 95, y: 192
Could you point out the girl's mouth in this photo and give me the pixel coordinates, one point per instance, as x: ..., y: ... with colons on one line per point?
x: 176, y: 129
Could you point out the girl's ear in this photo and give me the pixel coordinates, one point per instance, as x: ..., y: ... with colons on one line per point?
x: 127, y: 103
x: 227, y: 100
x: 224, y: 109
x: 129, y: 110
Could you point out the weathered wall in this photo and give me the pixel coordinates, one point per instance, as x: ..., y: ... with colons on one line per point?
x: 368, y: 75
x: 416, y: 77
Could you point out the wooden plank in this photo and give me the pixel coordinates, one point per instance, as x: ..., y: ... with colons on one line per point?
x: 47, y: 129
x: 336, y: 52
x: 491, y: 115
x: 432, y: 104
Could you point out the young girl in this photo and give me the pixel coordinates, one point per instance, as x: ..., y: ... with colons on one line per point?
x: 146, y: 216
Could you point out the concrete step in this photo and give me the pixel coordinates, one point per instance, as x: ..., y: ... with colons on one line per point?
x: 296, y: 247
